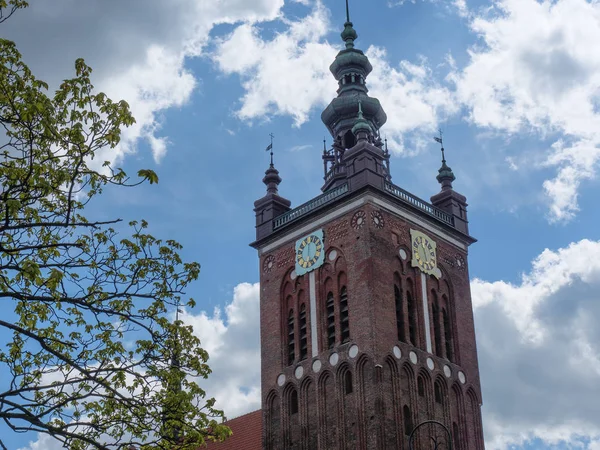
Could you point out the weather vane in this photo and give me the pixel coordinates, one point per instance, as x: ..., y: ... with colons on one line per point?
x: 270, y: 147
x: 441, y: 142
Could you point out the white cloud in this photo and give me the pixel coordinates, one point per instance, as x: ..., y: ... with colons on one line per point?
x: 413, y: 101
x: 138, y: 51
x: 233, y: 344
x: 536, y: 72
x: 539, y: 350
x: 288, y: 75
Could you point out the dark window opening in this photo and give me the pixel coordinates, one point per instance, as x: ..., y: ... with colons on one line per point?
x: 349, y: 139
x: 344, y: 318
x: 412, y: 319
x: 291, y: 342
x: 303, y: 334
x: 293, y: 402
x: 348, y: 383
x: 421, y: 387
x: 438, y: 393
x: 399, y: 314
x: 448, y: 336
x: 408, y: 426
x: 330, y: 321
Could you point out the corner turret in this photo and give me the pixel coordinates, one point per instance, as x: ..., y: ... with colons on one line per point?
x: 272, y: 205
x: 448, y: 199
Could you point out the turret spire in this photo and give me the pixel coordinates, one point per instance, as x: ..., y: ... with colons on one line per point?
x: 445, y: 175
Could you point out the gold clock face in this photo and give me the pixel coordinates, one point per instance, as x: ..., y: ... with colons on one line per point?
x: 424, y: 253
x: 309, y: 251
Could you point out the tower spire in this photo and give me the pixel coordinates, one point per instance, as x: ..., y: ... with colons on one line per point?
x: 349, y: 34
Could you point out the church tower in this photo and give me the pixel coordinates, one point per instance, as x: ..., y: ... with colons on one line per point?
x: 366, y: 317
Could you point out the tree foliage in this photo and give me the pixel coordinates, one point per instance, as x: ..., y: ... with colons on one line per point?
x: 89, y: 355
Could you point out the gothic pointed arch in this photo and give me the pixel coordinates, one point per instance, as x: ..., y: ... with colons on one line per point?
x: 273, y: 437
x: 309, y: 418
x: 392, y: 413
x: 473, y: 406
x: 329, y: 410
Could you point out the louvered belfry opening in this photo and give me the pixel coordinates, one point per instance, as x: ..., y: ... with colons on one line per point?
x: 330, y: 320
x: 291, y: 341
x: 303, y: 334
x: 344, y: 317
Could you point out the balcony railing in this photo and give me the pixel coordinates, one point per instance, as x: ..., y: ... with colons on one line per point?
x: 335, y: 170
x: 418, y: 203
x: 310, y: 206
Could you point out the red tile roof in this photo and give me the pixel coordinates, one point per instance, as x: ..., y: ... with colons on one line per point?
x: 247, y: 433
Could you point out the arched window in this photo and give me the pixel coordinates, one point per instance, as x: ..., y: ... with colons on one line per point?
x: 420, y: 386
x: 291, y: 342
x: 293, y: 402
x: 437, y: 330
x: 412, y: 319
x: 303, y: 333
x: 330, y: 321
x: 349, y: 139
x: 348, y: 388
x: 438, y: 392
x: 447, y: 335
x: 399, y: 314
x: 408, y: 425
x: 344, y: 318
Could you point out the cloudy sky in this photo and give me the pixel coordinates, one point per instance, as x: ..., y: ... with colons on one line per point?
x: 514, y: 84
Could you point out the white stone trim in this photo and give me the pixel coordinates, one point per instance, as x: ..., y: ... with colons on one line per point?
x: 313, y: 313
x: 426, y: 312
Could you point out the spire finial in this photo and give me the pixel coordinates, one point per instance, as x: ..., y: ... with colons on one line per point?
x: 440, y: 140
x: 349, y: 34
x: 270, y: 147
x: 445, y: 175
x: 347, y: 12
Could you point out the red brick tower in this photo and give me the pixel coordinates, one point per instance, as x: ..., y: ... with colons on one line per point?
x: 366, y: 317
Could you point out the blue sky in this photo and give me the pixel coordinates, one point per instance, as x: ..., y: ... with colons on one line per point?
x: 514, y: 86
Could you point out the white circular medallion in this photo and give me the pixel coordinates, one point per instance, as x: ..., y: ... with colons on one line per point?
x: 458, y: 262
x: 360, y: 221
x: 403, y: 254
x: 316, y: 366
x: 413, y: 357
x: 353, y: 351
x: 332, y: 255
x: 299, y: 372
x: 447, y: 371
x: 461, y: 377
x: 430, y: 364
x: 397, y: 352
x: 281, y: 380
x: 293, y: 275
x: 333, y: 359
